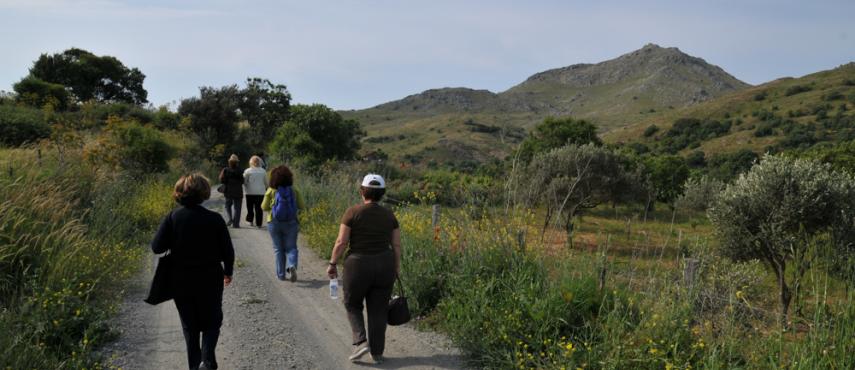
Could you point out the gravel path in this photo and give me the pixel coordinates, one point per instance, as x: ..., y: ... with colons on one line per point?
x: 269, y: 324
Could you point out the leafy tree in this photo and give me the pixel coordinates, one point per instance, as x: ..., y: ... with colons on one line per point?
x: 569, y: 180
x: 665, y: 177
x: 213, y: 118
x: 554, y: 133
x: 38, y: 93
x: 164, y: 119
x: 778, y: 211
x: 265, y: 107
x: 92, y: 77
x: 314, y: 134
x: 19, y: 125
x: 726, y: 166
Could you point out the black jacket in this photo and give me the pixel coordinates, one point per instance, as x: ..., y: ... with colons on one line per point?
x: 233, y: 180
x: 202, y: 250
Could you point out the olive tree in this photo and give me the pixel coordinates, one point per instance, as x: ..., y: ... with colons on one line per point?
x: 699, y: 193
x: 567, y: 180
x: 777, y: 212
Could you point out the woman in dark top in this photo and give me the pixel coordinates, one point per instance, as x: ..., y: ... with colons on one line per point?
x: 232, y: 178
x: 201, y: 248
x: 373, y: 261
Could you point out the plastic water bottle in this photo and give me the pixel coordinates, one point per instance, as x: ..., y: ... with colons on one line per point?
x: 334, y: 288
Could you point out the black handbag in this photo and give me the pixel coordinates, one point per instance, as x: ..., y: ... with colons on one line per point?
x: 221, y: 188
x: 161, y: 290
x: 399, y: 312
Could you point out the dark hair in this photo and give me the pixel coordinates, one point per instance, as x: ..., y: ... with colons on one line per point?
x: 281, y: 176
x: 372, y: 194
x: 192, y: 189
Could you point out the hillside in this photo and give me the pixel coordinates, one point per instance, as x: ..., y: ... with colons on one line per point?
x: 788, y: 113
x: 452, y: 124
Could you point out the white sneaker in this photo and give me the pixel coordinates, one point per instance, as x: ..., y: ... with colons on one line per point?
x: 359, y: 351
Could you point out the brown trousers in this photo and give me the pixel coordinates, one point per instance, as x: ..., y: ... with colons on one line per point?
x: 369, y: 278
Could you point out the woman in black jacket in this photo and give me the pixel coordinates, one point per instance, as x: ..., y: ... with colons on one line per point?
x: 203, y: 261
x: 232, y: 178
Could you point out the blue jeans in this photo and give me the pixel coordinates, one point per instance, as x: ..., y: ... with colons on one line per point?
x: 284, y: 235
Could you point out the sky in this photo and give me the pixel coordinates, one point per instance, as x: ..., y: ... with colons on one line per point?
x: 357, y: 54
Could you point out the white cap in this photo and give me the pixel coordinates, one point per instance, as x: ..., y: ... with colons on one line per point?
x: 378, y: 181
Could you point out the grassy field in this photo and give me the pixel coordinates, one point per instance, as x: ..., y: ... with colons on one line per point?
x: 616, y: 299
x: 71, y: 236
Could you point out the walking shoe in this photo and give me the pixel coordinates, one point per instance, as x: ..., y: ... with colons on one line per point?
x: 359, y: 350
x: 378, y: 359
x: 293, y: 274
x: 288, y: 274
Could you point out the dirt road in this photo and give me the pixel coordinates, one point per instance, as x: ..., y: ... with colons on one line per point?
x: 269, y: 324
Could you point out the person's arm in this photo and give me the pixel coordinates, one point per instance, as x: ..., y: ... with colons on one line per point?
x: 267, y: 202
x: 222, y: 176
x: 162, y: 241
x: 396, y: 247
x: 341, y: 243
x: 228, y: 253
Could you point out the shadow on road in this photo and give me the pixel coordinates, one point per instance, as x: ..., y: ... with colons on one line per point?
x: 312, y: 284
x: 393, y: 362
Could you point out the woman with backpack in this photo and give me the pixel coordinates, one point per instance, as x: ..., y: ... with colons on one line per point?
x: 232, y: 179
x: 255, y: 182
x: 283, y: 203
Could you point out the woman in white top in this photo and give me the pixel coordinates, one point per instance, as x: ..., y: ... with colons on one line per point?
x: 255, y: 184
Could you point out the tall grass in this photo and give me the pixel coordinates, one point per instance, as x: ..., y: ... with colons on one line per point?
x: 70, y: 236
x: 538, y: 306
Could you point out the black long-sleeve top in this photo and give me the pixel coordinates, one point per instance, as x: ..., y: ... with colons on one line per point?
x: 199, y: 242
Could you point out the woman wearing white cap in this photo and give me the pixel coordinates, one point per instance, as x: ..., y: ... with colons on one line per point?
x: 373, y: 238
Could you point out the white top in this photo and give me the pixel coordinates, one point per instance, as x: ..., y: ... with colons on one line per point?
x: 254, y: 181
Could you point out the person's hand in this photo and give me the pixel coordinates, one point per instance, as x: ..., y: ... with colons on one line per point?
x: 227, y: 280
x: 332, y: 272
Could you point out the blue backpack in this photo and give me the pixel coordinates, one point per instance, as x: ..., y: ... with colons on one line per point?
x: 285, y: 207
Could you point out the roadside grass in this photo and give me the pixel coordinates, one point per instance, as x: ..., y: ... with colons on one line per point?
x: 70, y: 237
x: 541, y: 304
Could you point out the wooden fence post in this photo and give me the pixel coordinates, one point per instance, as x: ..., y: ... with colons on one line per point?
x: 601, y: 275
x: 521, y: 240
x: 39, y: 155
x: 690, y: 272
x: 434, y: 220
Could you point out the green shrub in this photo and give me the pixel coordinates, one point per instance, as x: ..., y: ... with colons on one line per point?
x: 131, y: 146
x: 39, y: 94
x: 797, y: 89
x: 20, y: 125
x: 687, y: 132
x: 650, y: 130
x: 764, y: 130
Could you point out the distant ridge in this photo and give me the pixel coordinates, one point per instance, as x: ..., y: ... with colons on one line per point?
x: 613, y: 93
